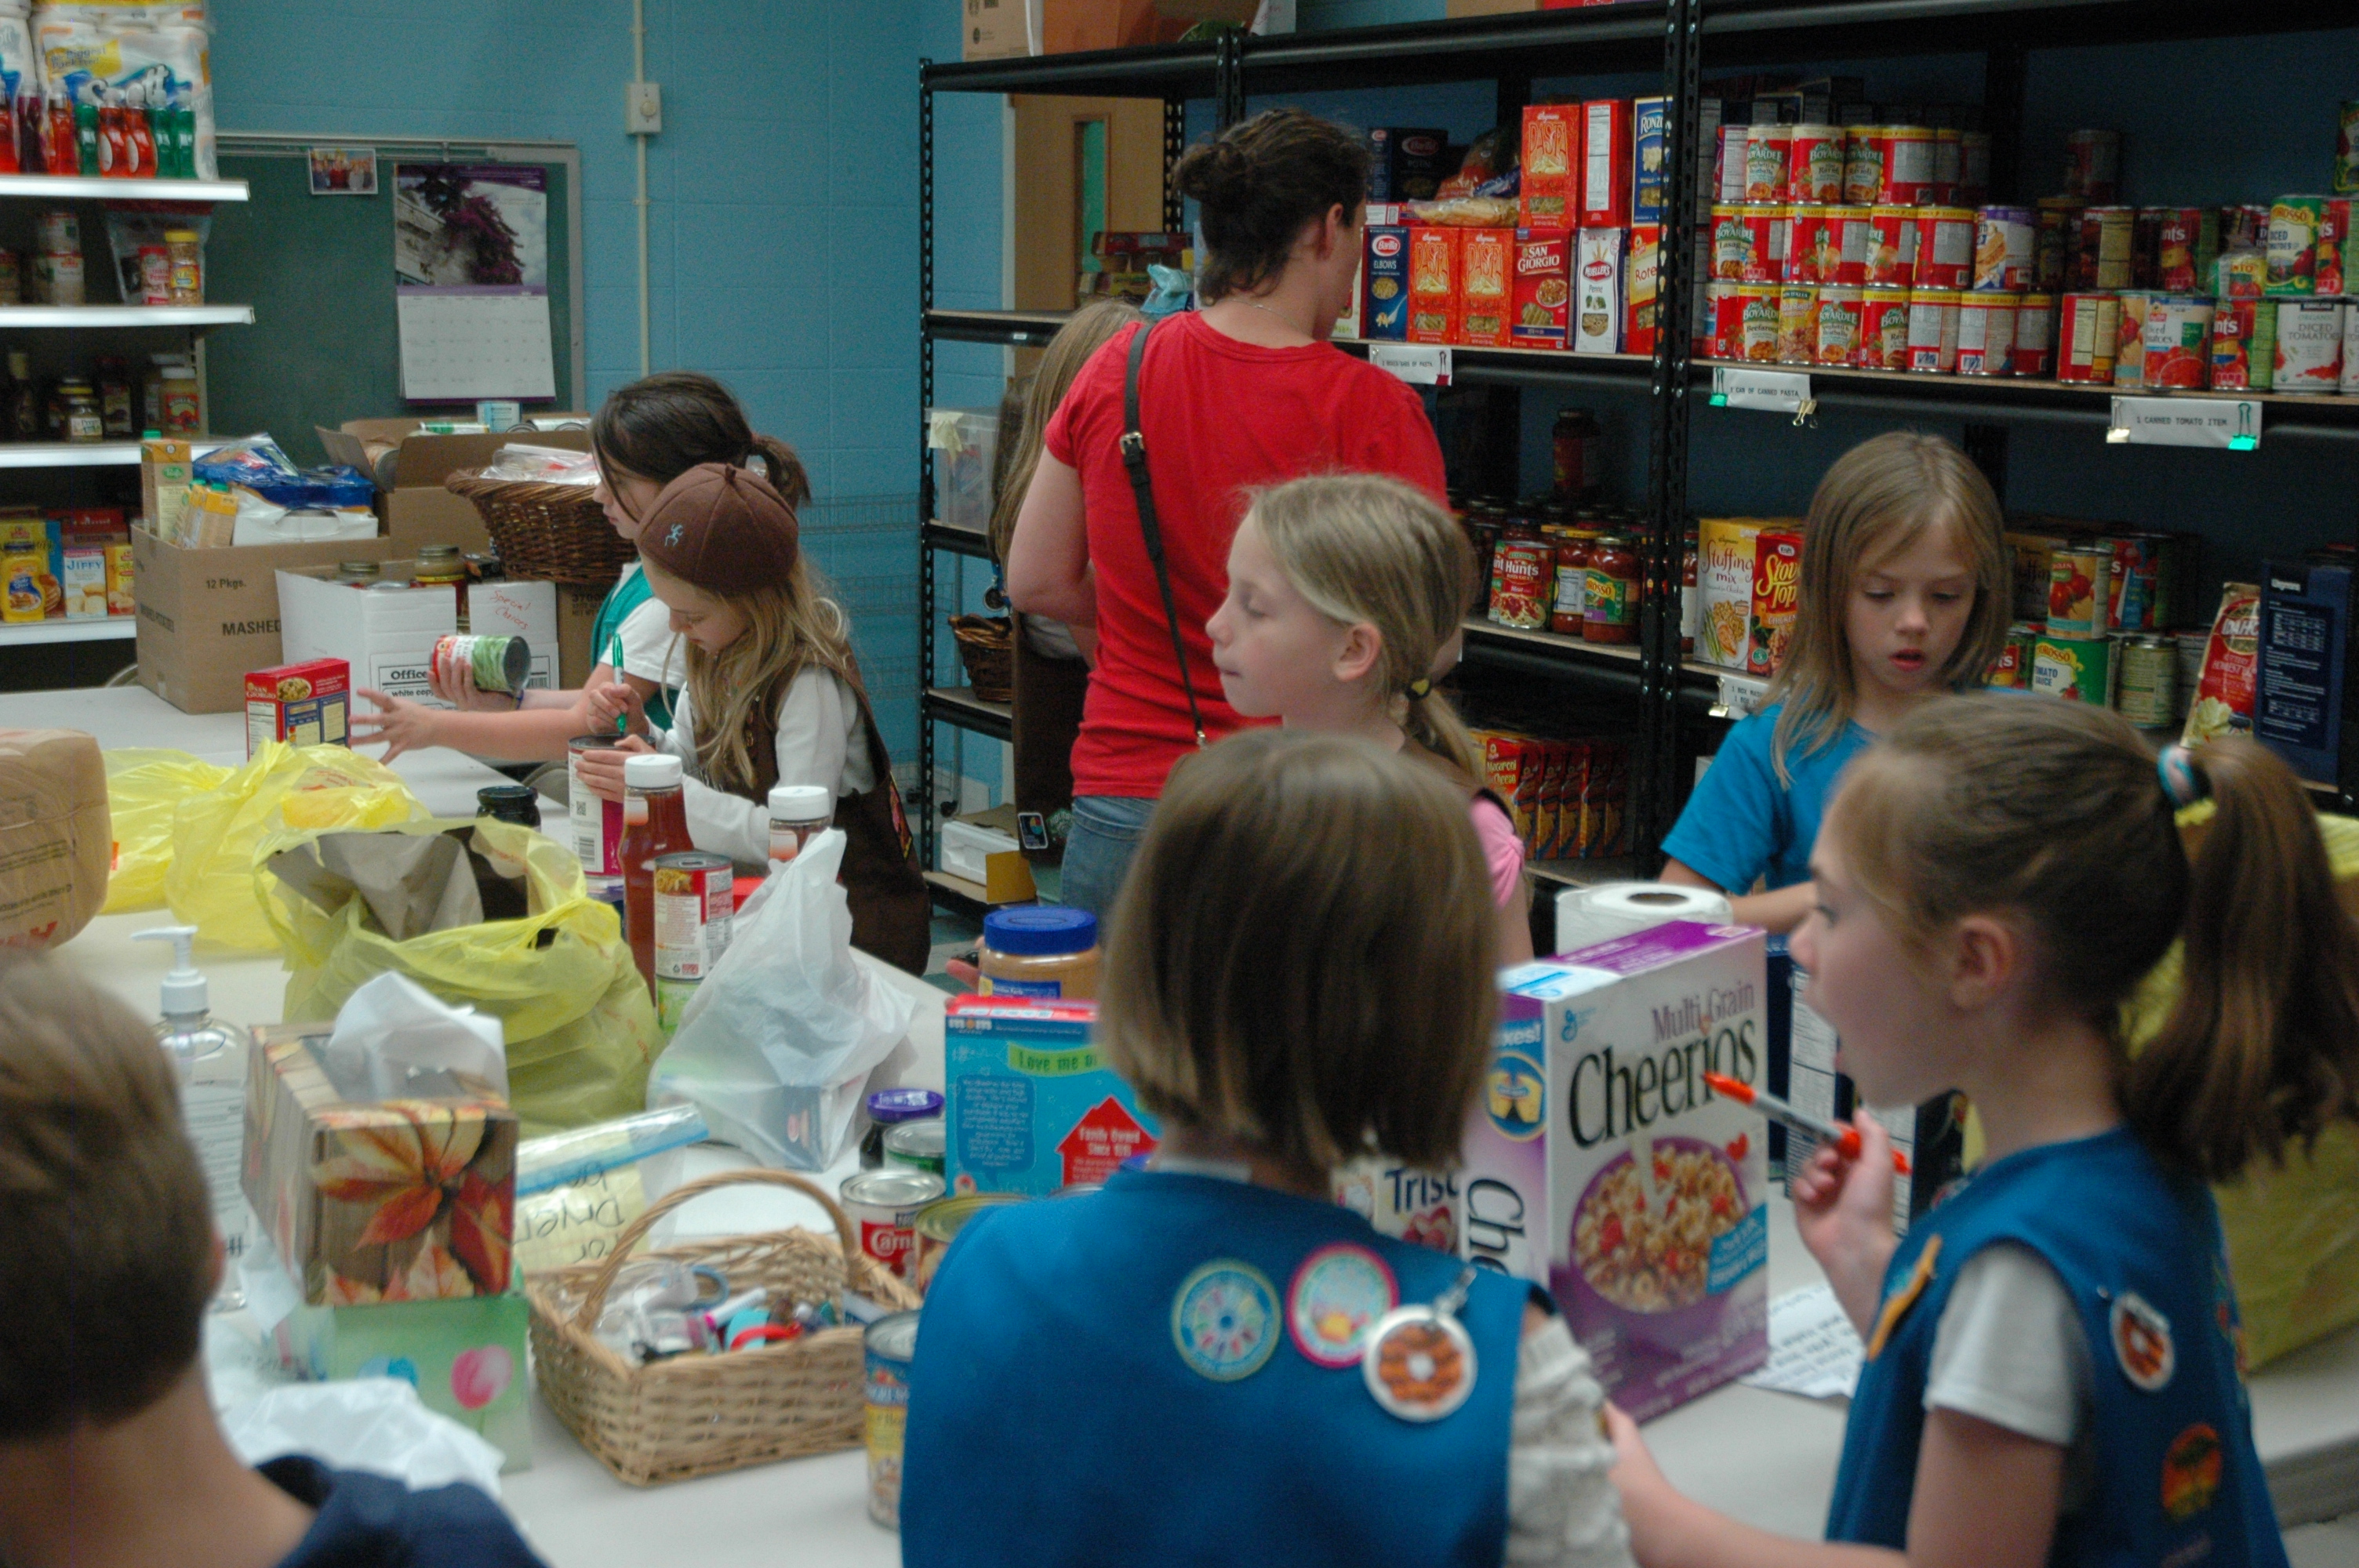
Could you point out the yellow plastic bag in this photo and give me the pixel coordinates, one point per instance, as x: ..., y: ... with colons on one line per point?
x: 217, y: 834
x: 145, y: 787
x: 581, y: 1026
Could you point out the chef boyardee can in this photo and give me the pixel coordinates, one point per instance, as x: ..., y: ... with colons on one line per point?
x: 2078, y: 669
x: 889, y: 1347
x: 2147, y: 689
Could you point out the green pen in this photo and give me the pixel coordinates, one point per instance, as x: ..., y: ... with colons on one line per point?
x: 623, y: 720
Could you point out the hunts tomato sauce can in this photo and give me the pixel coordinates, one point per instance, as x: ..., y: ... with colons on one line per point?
x: 2013, y: 667
x: 2244, y: 344
x: 2034, y: 353
x: 1945, y: 248
x: 1848, y: 239
x: 1933, y: 330
x: 1522, y: 573
x: 2186, y: 248
x: 2086, y: 335
x: 1986, y: 334
x: 2003, y: 249
x: 1883, y: 329
x: 1839, y: 318
x: 1891, y: 246
x: 2177, y: 342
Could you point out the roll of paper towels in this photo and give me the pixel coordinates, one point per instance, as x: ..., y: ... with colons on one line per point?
x: 1599, y: 913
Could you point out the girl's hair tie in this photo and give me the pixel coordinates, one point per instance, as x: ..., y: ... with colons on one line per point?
x: 2182, y: 781
x: 1419, y: 689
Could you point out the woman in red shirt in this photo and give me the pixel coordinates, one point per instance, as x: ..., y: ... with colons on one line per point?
x: 1246, y: 390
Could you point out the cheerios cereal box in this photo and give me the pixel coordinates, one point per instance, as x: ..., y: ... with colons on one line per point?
x: 1598, y: 1162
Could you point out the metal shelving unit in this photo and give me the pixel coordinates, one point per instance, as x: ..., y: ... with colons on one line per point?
x: 81, y: 188
x: 69, y: 455
x: 114, y: 628
x: 54, y: 317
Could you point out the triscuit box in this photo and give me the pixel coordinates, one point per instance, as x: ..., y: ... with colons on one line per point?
x: 388, y: 636
x: 1598, y: 1163
x: 1032, y: 1106
x: 465, y: 1359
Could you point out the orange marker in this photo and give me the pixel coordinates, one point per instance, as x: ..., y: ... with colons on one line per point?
x: 1846, y: 1138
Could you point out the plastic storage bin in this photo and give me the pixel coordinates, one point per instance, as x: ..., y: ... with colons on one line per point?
x: 966, y: 444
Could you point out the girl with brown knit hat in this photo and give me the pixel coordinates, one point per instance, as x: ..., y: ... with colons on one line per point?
x: 773, y: 696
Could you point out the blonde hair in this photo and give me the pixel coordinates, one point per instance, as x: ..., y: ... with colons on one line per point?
x: 1301, y: 956
x: 2053, y: 812
x: 1082, y: 335
x: 1363, y: 547
x: 1877, y: 499
x: 789, y: 629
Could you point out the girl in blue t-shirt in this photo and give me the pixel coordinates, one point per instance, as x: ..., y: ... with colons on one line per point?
x: 1907, y: 593
x: 2052, y: 1352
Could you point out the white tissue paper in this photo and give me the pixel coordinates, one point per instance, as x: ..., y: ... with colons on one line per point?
x: 376, y: 1424
x: 1585, y: 917
x: 392, y: 1032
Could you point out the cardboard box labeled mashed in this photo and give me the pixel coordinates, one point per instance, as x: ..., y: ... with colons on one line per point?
x: 1598, y: 1162
x: 1032, y: 1106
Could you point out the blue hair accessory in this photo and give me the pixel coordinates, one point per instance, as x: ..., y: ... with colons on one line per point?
x: 2182, y: 781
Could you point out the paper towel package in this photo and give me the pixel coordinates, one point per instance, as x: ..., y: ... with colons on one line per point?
x: 1598, y: 1163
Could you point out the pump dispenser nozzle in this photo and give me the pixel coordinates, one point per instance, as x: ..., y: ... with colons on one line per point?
x: 186, y: 994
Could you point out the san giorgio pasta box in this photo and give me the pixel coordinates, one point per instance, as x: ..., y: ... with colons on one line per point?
x: 1598, y: 1163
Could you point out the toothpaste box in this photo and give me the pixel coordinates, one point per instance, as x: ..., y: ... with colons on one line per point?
x: 1598, y: 1162
x: 1032, y: 1107
x: 1383, y: 283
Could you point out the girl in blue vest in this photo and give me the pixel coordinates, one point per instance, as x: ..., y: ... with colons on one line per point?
x: 2051, y: 1370
x: 1210, y: 1360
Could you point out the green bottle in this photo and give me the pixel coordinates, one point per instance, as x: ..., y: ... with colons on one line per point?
x: 86, y: 137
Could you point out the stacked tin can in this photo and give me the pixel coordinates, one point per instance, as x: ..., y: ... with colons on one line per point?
x: 2097, y: 610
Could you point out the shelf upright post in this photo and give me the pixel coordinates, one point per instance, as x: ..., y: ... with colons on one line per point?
x: 1654, y: 783
x: 925, y: 459
x: 1229, y: 78
x: 1175, y: 146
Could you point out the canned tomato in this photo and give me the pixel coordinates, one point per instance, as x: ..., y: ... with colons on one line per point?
x: 2129, y: 337
x: 1728, y: 164
x: 917, y: 1145
x: 695, y: 905
x: 2034, y: 352
x: 2078, y: 669
x: 1815, y: 163
x: 2240, y: 274
x: 1883, y: 329
x: 2003, y: 247
x: 2013, y: 665
x: 1798, y: 324
x: 2056, y: 222
x: 2189, y: 244
x: 1523, y: 571
x: 1839, y: 314
x: 2177, y: 342
x: 1933, y: 330
x: 1862, y: 164
x: 1758, y: 308
x: 2243, y: 345
x: 1949, y: 161
x: 882, y: 1206
x: 496, y: 664
x: 1740, y: 243
x: 1945, y: 248
x: 1907, y: 171
x: 1807, y: 258
x: 2080, y: 590
x: 1768, y: 154
x: 1847, y: 239
x: 2334, y: 246
x: 1891, y: 246
x: 1722, y: 337
x: 2309, y: 356
x: 888, y: 1349
x: 2108, y: 236
x: 2291, y: 246
x: 597, y: 823
x: 938, y: 1225
x: 2092, y: 164
x: 1986, y: 334
x: 2147, y: 691
x: 1973, y: 168
x: 2245, y: 227
x: 2086, y: 335
x: 2134, y: 589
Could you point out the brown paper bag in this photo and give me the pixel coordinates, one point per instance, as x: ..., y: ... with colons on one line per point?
x: 56, y: 834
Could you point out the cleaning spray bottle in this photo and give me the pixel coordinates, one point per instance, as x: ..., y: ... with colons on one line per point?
x: 209, y: 1058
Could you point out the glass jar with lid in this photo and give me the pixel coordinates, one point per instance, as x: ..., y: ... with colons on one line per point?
x: 798, y: 812
x: 439, y: 566
x: 1570, y: 614
x: 1611, y: 611
x: 359, y: 574
x: 1039, y: 950
x: 889, y: 1108
x: 80, y: 417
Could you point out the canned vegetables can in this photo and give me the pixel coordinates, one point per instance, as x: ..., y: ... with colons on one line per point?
x: 2080, y: 590
x: 883, y: 1205
x: 597, y: 823
x: 695, y: 905
x: 888, y: 1349
x: 2148, y: 694
x: 2078, y: 669
x: 938, y: 1225
x: 496, y: 664
x: 2309, y: 356
x: 917, y: 1145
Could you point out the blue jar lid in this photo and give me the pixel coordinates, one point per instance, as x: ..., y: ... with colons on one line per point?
x: 1038, y: 929
x: 890, y: 1106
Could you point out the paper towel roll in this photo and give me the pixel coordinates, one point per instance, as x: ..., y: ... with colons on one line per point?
x: 1592, y: 915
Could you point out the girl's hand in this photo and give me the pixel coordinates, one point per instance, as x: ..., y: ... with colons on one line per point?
x: 1844, y: 1210
x: 1650, y: 1504
x: 402, y: 725
x: 601, y: 773
x: 458, y: 688
x: 603, y: 702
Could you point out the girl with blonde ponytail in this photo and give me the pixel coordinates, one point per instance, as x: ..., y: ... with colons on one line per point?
x: 1345, y: 596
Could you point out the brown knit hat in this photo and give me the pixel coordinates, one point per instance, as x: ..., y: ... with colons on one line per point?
x: 723, y: 528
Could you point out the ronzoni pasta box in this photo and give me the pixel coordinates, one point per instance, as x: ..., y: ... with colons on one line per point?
x: 1599, y: 1164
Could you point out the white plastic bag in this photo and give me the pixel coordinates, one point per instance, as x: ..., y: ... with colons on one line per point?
x: 376, y: 1424
x: 393, y: 1031
x: 775, y: 1044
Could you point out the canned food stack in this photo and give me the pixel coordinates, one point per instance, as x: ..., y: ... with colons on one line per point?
x: 2097, y: 618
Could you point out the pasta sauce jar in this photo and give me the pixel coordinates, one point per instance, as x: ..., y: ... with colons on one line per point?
x: 1610, y: 611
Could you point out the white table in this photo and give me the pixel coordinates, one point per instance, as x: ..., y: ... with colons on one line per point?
x: 1764, y: 1458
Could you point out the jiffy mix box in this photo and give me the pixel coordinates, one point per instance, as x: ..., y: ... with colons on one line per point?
x: 1598, y: 1163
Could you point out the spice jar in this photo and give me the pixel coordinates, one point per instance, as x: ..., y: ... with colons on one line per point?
x: 1611, y: 611
x: 1042, y: 950
x: 1572, y: 549
x: 798, y: 813
x: 889, y: 1108
x: 185, y: 255
x: 80, y: 420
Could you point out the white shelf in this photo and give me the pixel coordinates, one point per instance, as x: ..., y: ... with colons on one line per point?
x: 69, y: 454
x: 126, y: 315
x: 114, y: 629
x: 76, y: 188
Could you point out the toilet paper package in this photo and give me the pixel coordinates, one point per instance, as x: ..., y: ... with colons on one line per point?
x: 1590, y: 915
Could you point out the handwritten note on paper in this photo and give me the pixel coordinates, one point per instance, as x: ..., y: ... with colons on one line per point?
x: 576, y: 1223
x: 1813, y: 1349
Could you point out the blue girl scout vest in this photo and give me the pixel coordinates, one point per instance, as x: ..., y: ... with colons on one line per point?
x: 1118, y: 1378
x: 2176, y: 1481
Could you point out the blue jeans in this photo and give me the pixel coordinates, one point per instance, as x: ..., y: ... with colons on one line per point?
x: 1105, y: 836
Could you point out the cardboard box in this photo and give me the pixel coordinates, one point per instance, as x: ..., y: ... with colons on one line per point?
x: 1726, y: 560
x: 1485, y: 287
x: 301, y: 705
x: 1596, y: 1067
x: 1000, y: 29
x: 1650, y: 177
x: 1550, y: 197
x: 466, y: 1358
x: 1776, y: 599
x: 1032, y: 1107
x: 403, y: 1227
x: 1384, y: 279
x: 1543, y: 299
x: 1406, y: 163
x: 576, y: 620
x: 1605, y: 162
x: 1068, y: 27
x: 1643, y: 288
x: 206, y: 617
x: 121, y: 577
x: 1424, y: 1208
x: 1934, y: 1135
x: 1597, y: 291
x: 389, y: 637
x: 409, y: 468
x: 82, y: 578
x: 165, y: 471
x: 1433, y: 254
x: 2301, y: 690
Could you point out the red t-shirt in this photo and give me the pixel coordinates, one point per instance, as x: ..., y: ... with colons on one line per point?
x: 1220, y: 416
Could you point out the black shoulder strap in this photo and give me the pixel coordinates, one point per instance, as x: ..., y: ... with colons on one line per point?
x: 1133, y: 459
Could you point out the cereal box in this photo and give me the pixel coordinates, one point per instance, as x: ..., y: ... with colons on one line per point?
x: 1383, y: 280
x: 1605, y: 162
x: 302, y: 704
x: 1032, y: 1106
x: 1543, y: 288
x: 119, y: 601
x: 1425, y: 1209
x: 1599, y: 1164
x: 1551, y: 155
x: 1776, y: 599
x: 1643, y: 285
x: 82, y: 575
x: 1650, y: 182
x: 1485, y: 287
x: 1433, y: 252
x: 1725, y: 567
x: 1597, y: 291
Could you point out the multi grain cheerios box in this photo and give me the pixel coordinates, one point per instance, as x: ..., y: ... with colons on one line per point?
x: 1598, y: 1163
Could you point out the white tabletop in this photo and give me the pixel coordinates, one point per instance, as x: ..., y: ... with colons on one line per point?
x: 1764, y: 1458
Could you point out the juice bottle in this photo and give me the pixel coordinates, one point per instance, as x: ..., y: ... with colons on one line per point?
x: 655, y: 822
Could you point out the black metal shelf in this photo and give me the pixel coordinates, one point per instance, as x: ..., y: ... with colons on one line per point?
x: 1769, y: 32
x: 1007, y: 329
x: 959, y: 540
x: 958, y: 704
x: 1160, y: 71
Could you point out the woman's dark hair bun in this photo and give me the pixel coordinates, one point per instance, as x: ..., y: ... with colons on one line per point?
x: 1216, y: 173
x: 1259, y: 183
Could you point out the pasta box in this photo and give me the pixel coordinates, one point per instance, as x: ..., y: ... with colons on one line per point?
x: 1597, y: 291
x: 1547, y: 195
x: 1485, y: 287
x: 1032, y: 1106
x: 1406, y: 163
x: 1650, y: 184
x: 1605, y: 162
x: 1383, y: 283
x: 303, y: 705
x: 1434, y: 255
x: 1599, y: 1163
x: 1543, y: 302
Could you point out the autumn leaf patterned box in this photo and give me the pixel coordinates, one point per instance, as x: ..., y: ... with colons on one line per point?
x: 370, y: 1200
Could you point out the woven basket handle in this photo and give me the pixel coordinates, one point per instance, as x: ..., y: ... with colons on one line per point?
x: 595, y: 1302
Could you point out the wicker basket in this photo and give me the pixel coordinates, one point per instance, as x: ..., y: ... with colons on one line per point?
x: 987, y: 645
x: 696, y: 1415
x: 546, y: 533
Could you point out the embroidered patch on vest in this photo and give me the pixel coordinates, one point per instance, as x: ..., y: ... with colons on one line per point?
x: 2190, y: 1472
x: 2142, y: 1345
x: 1338, y: 1294
x: 1224, y: 1320
x: 1897, y: 1305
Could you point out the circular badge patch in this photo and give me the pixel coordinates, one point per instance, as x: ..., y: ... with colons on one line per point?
x: 2142, y: 1342
x: 1419, y: 1364
x: 1338, y: 1294
x: 2190, y: 1473
x: 1224, y: 1320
